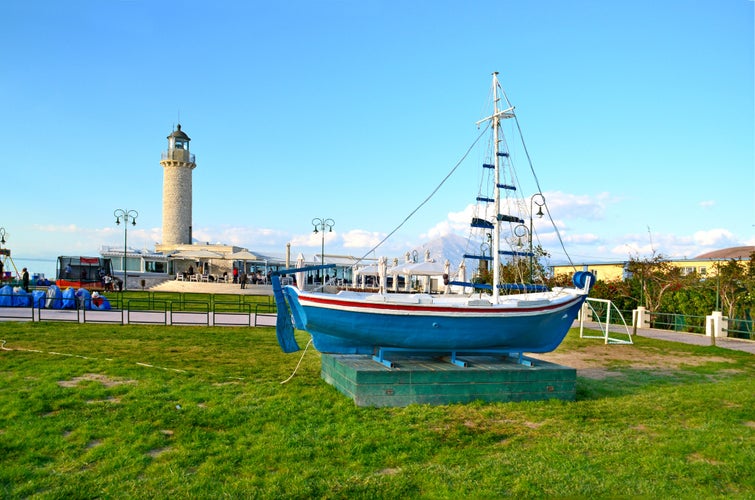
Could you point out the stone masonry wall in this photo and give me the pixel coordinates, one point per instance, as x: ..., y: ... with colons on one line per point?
x: 177, y: 196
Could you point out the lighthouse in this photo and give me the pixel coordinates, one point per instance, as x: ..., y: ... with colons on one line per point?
x: 177, y: 163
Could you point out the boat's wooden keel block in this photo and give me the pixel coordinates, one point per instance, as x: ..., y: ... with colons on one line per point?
x: 436, y: 381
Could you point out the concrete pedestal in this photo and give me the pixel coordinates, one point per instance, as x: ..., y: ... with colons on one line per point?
x: 436, y: 381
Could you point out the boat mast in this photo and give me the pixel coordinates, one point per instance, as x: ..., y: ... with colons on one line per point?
x: 495, y: 120
x: 497, y: 174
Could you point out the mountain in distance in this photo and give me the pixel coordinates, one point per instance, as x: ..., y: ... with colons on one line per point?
x: 450, y: 247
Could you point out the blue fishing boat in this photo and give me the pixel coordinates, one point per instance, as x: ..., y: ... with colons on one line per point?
x: 471, y: 317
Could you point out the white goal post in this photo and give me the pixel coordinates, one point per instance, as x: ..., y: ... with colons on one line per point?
x: 605, y: 326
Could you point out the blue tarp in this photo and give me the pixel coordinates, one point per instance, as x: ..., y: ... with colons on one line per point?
x: 21, y: 298
x: 69, y: 299
x: 39, y: 298
x: 54, y: 296
x: 100, y: 303
x: 84, y: 298
x: 6, y: 296
x: 14, y: 297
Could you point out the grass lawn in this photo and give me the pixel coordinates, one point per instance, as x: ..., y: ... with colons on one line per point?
x: 140, y: 411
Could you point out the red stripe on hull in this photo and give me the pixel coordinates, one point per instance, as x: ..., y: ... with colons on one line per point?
x: 429, y: 308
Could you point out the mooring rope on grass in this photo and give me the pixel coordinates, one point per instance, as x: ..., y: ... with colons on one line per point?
x: 146, y: 365
x: 299, y: 363
x: 2, y: 347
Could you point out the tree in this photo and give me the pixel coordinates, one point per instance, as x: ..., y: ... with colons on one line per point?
x: 735, y: 284
x: 654, y: 276
x: 525, y: 269
x: 618, y: 291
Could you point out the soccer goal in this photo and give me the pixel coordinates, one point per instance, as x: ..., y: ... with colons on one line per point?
x: 598, y: 306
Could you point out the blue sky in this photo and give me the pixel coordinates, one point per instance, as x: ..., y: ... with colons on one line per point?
x: 638, y: 117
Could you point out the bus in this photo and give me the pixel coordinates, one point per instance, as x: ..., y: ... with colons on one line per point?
x: 84, y: 272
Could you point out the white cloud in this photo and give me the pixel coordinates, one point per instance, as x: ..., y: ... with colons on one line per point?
x: 707, y: 203
x: 582, y: 239
x: 719, y: 238
x: 314, y: 240
x: 455, y: 222
x: 632, y: 249
x: 359, y: 238
x: 573, y: 206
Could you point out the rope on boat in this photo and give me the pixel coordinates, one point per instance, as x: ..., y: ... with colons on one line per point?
x: 428, y: 197
x: 474, y: 143
x: 540, y: 190
x: 299, y: 363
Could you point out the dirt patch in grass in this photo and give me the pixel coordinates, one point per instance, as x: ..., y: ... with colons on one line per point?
x: 94, y: 377
x: 94, y: 443
x: 156, y: 452
x: 106, y: 400
x: 600, y: 361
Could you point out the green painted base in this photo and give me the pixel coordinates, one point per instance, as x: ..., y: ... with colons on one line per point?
x: 435, y: 381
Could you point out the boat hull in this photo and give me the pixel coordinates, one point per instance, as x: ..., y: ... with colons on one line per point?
x: 344, y: 325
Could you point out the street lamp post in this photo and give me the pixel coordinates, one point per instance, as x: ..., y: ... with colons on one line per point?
x: 539, y: 200
x: 321, y: 225
x: 126, y: 216
x: 3, y: 253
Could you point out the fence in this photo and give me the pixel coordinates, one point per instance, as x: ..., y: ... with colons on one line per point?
x: 152, y: 310
x: 740, y: 328
x: 697, y: 325
x: 678, y: 322
x: 184, y: 308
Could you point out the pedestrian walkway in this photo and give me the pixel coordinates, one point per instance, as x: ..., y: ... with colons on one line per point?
x: 216, y: 288
x: 683, y: 337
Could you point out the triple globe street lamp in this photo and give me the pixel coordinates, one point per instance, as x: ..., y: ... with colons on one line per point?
x: 3, y: 252
x: 126, y: 216
x: 321, y: 225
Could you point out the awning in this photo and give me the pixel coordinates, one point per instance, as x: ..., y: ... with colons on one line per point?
x: 195, y: 254
x: 244, y: 255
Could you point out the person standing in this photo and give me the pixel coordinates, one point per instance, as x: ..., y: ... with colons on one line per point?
x: 242, y: 280
x: 235, y: 274
x: 25, y: 280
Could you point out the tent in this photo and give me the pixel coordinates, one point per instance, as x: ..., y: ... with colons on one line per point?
x: 424, y: 269
x: 371, y: 270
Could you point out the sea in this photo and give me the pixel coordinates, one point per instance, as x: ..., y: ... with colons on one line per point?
x: 36, y: 266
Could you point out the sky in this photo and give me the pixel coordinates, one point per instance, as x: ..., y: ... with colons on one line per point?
x: 637, y: 116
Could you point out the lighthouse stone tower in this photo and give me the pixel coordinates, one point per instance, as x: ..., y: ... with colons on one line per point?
x: 177, y: 163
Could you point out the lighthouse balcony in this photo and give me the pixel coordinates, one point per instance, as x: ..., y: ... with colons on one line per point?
x: 178, y: 155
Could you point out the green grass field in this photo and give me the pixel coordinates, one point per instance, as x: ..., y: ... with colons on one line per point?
x: 138, y: 411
